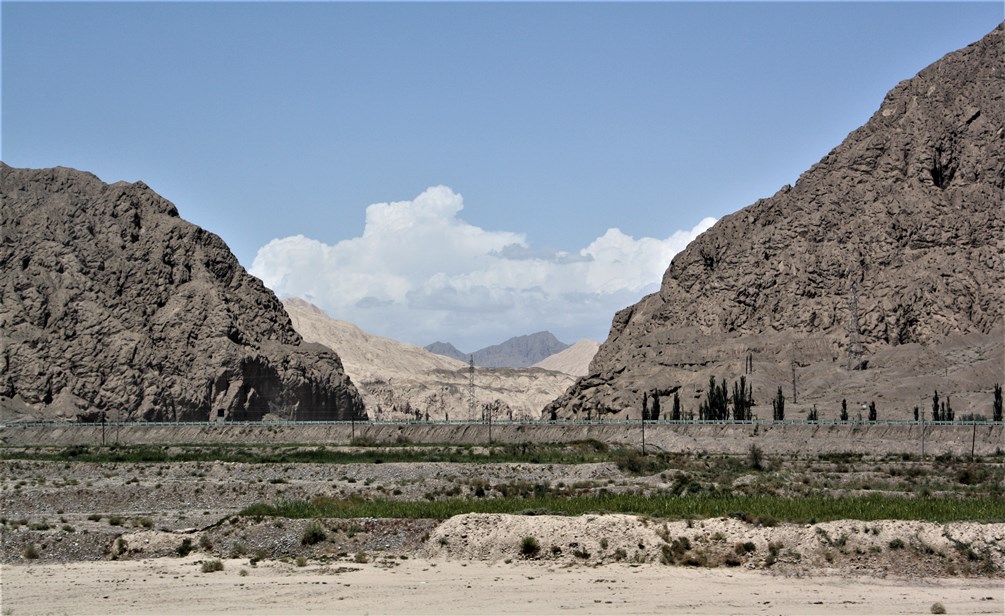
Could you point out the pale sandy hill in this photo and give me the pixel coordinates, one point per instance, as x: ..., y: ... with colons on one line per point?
x: 574, y: 360
x: 365, y: 354
x: 403, y: 381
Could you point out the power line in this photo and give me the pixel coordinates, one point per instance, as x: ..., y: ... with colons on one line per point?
x: 471, y: 386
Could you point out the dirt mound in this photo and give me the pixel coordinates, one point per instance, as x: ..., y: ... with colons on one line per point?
x: 883, y: 546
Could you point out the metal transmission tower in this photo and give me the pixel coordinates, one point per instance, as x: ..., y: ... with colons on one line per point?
x: 471, y: 387
x: 854, y: 341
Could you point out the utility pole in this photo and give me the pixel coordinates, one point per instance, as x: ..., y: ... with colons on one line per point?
x: 643, y: 434
x: 973, y: 442
x: 922, y: 433
x: 471, y: 387
x: 795, y: 400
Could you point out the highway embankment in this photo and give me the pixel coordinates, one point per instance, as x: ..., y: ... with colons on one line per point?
x: 787, y: 438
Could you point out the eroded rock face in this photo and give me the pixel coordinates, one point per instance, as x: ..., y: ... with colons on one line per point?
x: 110, y: 302
x: 908, y: 208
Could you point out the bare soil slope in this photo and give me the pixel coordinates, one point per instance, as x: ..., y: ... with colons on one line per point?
x: 574, y: 360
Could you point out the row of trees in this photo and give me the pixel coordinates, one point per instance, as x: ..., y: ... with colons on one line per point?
x: 652, y: 413
x: 718, y: 404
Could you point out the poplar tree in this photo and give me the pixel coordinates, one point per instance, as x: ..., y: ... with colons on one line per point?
x: 778, y: 405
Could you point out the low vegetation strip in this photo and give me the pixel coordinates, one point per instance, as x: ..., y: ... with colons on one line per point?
x: 764, y: 510
x: 360, y: 453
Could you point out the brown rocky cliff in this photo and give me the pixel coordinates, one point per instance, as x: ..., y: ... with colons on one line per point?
x: 109, y: 301
x: 908, y: 208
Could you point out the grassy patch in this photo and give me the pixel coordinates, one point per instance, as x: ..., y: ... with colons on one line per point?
x: 799, y: 510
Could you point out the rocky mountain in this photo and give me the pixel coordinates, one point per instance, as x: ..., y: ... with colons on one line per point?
x: 895, y: 238
x: 111, y: 303
x: 520, y: 351
x: 402, y: 381
x: 517, y: 352
x: 447, y: 350
x: 574, y: 360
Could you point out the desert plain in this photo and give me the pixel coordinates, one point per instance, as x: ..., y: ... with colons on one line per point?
x: 409, y: 528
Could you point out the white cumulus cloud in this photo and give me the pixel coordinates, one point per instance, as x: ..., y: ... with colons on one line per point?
x: 419, y: 273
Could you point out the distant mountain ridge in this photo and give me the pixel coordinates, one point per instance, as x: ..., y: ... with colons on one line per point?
x: 447, y: 350
x: 517, y: 352
x: 402, y: 381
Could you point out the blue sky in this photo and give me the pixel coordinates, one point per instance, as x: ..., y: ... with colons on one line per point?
x: 570, y: 148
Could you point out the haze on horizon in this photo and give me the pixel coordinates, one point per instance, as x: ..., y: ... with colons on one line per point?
x: 458, y: 171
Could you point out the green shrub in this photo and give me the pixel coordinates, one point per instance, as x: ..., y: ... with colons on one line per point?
x: 938, y: 608
x: 211, y: 566
x: 237, y: 549
x: 529, y: 547
x: 185, y: 548
x: 744, y: 548
x: 896, y: 544
x: 313, y: 534
x: 30, y: 552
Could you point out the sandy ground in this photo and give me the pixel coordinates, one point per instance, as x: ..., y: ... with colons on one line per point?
x: 436, y: 586
x: 474, y: 564
x: 84, y: 563
x: 177, y: 586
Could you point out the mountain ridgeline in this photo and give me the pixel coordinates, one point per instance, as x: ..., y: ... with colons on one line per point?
x: 401, y: 381
x: 517, y: 352
x: 113, y: 306
x: 894, y: 239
